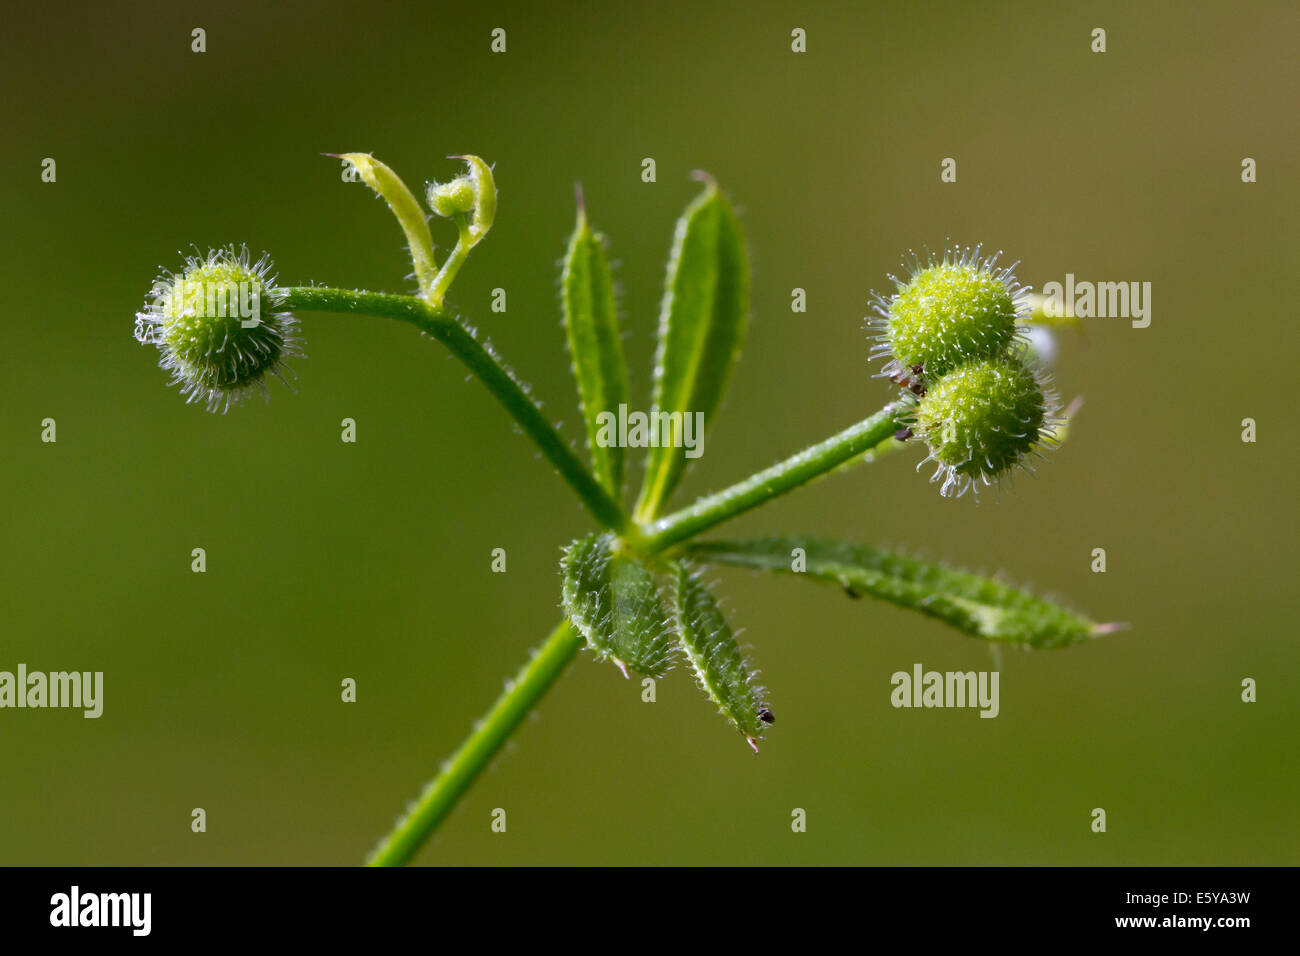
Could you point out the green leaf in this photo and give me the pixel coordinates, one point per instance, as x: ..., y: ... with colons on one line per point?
x: 485, y: 198
x: 591, y: 320
x: 723, y: 673
x: 978, y: 606
x: 701, y: 328
x: 407, y: 211
x: 614, y: 602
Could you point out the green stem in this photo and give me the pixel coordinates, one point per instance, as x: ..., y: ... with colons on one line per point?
x: 442, y: 281
x: 441, y: 795
x: 477, y: 751
x: 459, y: 773
x: 486, y: 367
x: 780, y: 478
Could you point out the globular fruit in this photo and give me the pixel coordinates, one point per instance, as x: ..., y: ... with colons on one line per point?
x: 982, y: 419
x: 218, y: 326
x: 950, y: 311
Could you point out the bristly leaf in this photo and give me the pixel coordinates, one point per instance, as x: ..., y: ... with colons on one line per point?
x: 720, y: 667
x: 701, y: 328
x: 591, y: 320
x: 613, y: 600
x: 978, y: 606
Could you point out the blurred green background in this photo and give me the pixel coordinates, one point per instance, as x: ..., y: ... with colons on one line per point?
x: 371, y: 560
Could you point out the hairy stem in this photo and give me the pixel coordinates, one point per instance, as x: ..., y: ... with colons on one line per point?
x: 532, y: 683
x: 441, y: 795
x: 476, y: 752
x: 779, y: 479
x: 486, y: 367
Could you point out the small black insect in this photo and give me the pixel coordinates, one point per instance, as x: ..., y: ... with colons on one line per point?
x: 913, y: 381
x: 766, y: 716
x: 903, y: 434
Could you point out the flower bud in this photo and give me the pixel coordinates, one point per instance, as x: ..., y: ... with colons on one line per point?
x: 449, y: 199
x: 475, y: 193
x: 218, y: 327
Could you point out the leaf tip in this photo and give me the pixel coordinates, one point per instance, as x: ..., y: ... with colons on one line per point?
x: 705, y: 177
x: 1101, y: 630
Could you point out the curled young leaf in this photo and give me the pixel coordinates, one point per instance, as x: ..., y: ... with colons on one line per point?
x: 591, y: 320
x: 720, y: 667
x: 701, y: 328
x: 405, y: 207
x: 485, y: 198
x: 614, y: 602
x: 978, y: 606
